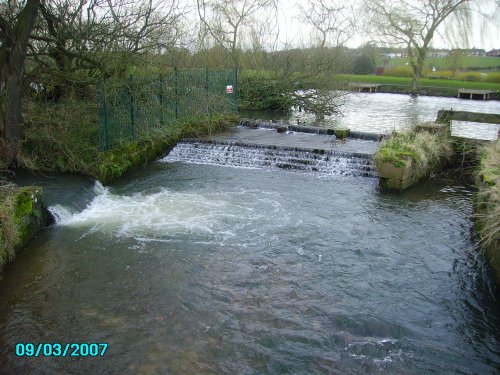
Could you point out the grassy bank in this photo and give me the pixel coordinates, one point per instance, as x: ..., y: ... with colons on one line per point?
x: 64, y: 138
x: 463, y: 62
x: 440, y: 87
x: 22, y: 214
x: 487, y: 205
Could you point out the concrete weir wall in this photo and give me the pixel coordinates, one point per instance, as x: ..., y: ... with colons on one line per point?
x: 22, y: 215
x: 339, y: 133
x: 445, y: 116
x: 487, y: 205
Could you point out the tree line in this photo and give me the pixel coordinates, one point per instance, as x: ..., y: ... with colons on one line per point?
x: 57, y: 49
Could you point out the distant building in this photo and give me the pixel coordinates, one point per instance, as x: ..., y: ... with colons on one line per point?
x: 392, y: 55
x: 470, y: 51
x: 439, y: 53
x: 493, y: 53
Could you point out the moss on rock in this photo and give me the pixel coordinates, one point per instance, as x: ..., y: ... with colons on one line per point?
x: 22, y: 215
x: 342, y: 133
x: 114, y: 163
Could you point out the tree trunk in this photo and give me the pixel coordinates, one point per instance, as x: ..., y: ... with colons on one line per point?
x: 415, y: 83
x: 11, y: 78
x: 418, y: 68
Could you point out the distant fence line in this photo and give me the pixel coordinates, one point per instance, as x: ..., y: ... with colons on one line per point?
x: 128, y: 109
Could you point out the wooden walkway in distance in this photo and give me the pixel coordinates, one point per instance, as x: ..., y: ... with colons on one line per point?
x: 470, y: 93
x: 364, y: 87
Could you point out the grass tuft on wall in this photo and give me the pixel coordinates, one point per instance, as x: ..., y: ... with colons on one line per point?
x: 427, y: 151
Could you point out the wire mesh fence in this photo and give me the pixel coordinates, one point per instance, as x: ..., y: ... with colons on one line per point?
x: 129, y: 109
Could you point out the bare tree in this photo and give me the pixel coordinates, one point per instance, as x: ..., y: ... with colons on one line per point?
x: 16, y: 24
x: 413, y: 25
x: 332, y: 21
x: 333, y: 24
x: 99, y: 38
x: 70, y: 44
x: 227, y: 21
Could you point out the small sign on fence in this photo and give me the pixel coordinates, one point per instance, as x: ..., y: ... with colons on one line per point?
x: 130, y: 111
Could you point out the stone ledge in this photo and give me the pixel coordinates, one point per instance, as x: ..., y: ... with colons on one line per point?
x: 396, y: 178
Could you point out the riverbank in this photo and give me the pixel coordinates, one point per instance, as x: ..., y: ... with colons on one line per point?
x: 487, y: 205
x: 115, y: 163
x: 22, y: 215
x: 63, y: 138
x: 429, y: 86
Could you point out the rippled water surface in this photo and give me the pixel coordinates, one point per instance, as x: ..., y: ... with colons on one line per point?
x: 381, y: 113
x: 201, y: 269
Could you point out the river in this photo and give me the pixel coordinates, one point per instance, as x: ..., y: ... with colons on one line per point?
x: 203, y: 269
x: 383, y: 113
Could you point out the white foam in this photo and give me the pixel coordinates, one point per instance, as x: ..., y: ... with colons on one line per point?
x: 60, y: 213
x: 99, y: 188
x: 161, y: 214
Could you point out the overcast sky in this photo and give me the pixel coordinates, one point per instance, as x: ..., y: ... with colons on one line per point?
x: 481, y: 35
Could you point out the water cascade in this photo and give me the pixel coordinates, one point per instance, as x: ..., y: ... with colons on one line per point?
x: 270, y: 156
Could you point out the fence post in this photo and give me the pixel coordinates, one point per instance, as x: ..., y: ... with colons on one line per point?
x: 103, y: 117
x: 206, y: 79
x: 176, y: 76
x: 235, y: 91
x: 162, y: 120
x: 132, y: 111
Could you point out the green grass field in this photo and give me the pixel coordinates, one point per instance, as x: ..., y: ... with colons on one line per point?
x: 426, y: 82
x: 441, y: 63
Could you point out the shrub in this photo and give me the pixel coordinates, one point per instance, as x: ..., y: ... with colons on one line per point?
x: 442, y: 74
x: 471, y: 76
x: 264, y: 93
x: 398, y: 71
x: 60, y: 137
x: 493, y: 77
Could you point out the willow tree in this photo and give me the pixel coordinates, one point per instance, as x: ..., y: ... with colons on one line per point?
x: 412, y: 24
x: 16, y: 23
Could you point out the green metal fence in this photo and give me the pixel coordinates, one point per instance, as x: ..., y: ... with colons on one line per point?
x: 128, y: 109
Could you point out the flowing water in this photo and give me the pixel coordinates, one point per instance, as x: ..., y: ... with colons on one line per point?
x: 186, y: 267
x: 278, y: 157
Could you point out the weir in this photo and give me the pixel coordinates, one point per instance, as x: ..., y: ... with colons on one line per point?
x: 311, y: 151
x: 195, y: 269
